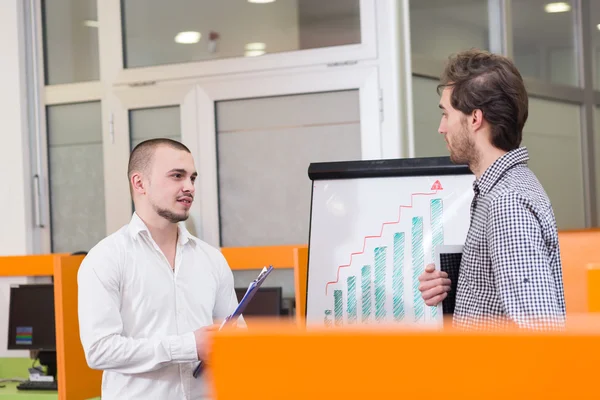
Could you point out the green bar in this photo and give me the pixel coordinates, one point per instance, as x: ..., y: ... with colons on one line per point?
x: 327, y: 319
x: 366, y: 292
x: 351, y: 299
x: 338, y: 307
x: 380, y: 283
x: 437, y: 234
x: 418, y: 257
x: 437, y: 227
x: 398, y: 276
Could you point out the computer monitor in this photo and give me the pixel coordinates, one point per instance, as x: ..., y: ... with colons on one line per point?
x: 267, y: 302
x: 31, y: 324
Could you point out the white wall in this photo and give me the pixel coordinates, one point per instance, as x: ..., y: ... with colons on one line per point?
x: 14, y: 196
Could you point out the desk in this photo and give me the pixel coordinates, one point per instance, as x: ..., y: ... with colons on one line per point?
x: 11, y: 392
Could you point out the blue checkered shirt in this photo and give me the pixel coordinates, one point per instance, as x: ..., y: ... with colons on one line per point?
x: 510, y: 273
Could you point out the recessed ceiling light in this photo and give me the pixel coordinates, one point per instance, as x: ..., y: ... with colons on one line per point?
x: 254, y: 53
x: 261, y: 1
x: 91, y: 23
x: 188, y: 37
x: 557, y: 7
x: 598, y: 26
x: 256, y: 46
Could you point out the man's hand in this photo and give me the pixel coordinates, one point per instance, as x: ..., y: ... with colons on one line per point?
x: 434, y: 286
x: 203, y: 341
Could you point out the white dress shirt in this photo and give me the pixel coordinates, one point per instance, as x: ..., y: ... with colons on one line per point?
x: 137, y: 315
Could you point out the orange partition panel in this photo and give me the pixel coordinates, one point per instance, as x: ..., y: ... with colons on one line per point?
x: 300, y: 281
x: 287, y: 362
x: 578, y: 250
x: 593, y: 288
x: 75, y: 379
x: 32, y: 265
x: 260, y: 256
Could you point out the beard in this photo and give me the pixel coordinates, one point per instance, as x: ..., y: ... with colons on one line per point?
x: 170, y: 215
x: 462, y: 149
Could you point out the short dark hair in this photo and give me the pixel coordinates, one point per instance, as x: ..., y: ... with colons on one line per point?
x: 491, y: 83
x: 140, y: 158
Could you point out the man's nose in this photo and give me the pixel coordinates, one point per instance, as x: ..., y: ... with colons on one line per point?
x: 441, y: 129
x: 189, y: 187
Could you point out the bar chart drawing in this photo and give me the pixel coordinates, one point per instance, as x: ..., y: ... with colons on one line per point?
x: 379, y: 282
x: 374, y: 284
x: 364, y: 267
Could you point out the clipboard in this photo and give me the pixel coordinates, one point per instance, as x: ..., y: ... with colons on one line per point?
x: 252, y: 289
x: 239, y: 310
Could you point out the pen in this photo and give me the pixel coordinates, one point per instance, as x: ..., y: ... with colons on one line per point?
x: 198, y: 369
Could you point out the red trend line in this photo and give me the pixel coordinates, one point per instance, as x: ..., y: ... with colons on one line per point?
x: 376, y: 236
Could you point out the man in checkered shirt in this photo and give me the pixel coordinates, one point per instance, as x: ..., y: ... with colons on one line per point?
x: 510, y: 273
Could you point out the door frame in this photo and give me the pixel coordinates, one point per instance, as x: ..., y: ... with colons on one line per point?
x: 364, y: 79
x: 117, y: 139
x: 111, y: 45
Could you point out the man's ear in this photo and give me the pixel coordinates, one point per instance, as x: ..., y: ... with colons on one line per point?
x: 137, y: 183
x: 476, y: 119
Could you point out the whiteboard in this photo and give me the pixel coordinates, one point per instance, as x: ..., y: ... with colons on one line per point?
x: 370, y: 239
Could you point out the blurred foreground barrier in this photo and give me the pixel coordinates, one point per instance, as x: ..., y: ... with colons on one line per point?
x: 281, y: 361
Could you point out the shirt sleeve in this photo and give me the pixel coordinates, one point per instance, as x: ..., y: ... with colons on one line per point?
x: 520, y: 264
x: 101, y: 326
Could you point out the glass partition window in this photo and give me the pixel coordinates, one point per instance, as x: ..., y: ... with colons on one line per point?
x: 427, y: 117
x: 544, y: 40
x: 70, y: 30
x: 597, y: 155
x: 595, y: 40
x: 442, y: 27
x: 76, y: 176
x: 265, y: 146
x: 157, y: 32
x: 553, y: 132
x: 153, y: 123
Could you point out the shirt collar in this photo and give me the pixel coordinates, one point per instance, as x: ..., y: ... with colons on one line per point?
x: 491, y: 175
x: 136, y: 226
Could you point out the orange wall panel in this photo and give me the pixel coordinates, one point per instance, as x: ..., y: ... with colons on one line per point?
x: 578, y: 250
x: 260, y: 256
x: 76, y: 381
x: 31, y: 265
x: 300, y: 280
x: 593, y: 286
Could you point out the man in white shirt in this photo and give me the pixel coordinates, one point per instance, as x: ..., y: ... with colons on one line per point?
x: 149, y: 293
